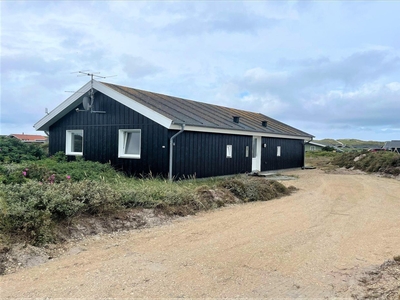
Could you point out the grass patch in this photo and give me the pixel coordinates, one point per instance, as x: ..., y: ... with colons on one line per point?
x: 38, y: 195
x: 383, y: 161
x: 32, y: 211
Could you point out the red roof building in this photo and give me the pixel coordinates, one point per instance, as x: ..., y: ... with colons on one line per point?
x: 30, y: 138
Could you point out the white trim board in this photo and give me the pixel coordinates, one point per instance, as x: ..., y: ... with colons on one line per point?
x: 238, y: 132
x: 62, y: 109
x: 73, y: 101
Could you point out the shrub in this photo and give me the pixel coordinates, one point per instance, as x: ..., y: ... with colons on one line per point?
x: 55, y: 170
x: 12, y: 173
x: 383, y: 161
x: 255, y: 189
x: 13, y: 150
x: 235, y: 186
x: 32, y: 209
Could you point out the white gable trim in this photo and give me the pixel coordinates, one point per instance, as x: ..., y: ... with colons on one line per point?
x: 73, y: 101
x: 238, y: 132
x: 132, y: 104
x: 62, y: 109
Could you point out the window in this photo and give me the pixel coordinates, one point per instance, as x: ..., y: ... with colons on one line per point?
x: 228, y: 151
x: 312, y: 148
x: 74, y: 142
x: 254, y: 148
x: 278, y: 151
x: 129, y: 143
x: 247, y: 151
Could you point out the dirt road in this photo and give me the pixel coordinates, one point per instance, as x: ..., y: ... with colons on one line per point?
x: 308, y: 244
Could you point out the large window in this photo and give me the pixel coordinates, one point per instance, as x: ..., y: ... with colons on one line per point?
x: 74, y: 142
x: 129, y: 143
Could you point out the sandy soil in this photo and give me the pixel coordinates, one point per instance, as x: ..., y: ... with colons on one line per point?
x: 317, y: 242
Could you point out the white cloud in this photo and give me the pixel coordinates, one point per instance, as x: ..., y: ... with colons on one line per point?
x: 326, y: 67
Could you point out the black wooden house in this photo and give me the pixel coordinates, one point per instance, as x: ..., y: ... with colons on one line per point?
x: 142, y: 132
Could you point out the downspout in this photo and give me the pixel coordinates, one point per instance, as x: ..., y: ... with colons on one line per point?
x: 304, y: 151
x: 171, y: 151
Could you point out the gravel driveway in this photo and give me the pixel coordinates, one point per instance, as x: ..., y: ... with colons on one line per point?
x: 310, y: 244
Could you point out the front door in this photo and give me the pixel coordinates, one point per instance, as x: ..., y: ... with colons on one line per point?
x: 256, y: 154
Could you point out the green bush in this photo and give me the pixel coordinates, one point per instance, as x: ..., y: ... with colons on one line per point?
x: 12, y: 173
x: 149, y: 193
x: 55, y: 170
x: 321, y: 154
x: 32, y: 209
x: 182, y: 197
x: 13, y: 150
x: 383, y: 161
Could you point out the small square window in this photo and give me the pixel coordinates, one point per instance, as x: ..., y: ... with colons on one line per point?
x: 278, y: 151
x: 228, y: 151
x: 74, y: 142
x: 129, y: 143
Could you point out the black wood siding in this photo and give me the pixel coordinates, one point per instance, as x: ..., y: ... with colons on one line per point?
x: 100, y: 137
x: 195, y: 153
x: 204, y: 154
x: 292, y: 154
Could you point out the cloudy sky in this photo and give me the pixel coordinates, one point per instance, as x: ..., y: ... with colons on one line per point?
x: 331, y: 69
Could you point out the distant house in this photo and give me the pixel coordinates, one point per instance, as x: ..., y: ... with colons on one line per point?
x: 142, y: 132
x: 392, y: 146
x: 312, y: 146
x: 30, y: 138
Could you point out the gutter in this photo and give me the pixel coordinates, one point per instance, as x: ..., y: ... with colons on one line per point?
x: 171, y: 150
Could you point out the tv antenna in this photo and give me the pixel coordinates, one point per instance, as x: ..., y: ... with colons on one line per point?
x: 87, y: 101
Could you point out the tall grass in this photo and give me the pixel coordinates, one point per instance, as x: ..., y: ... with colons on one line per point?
x: 32, y: 210
x: 383, y: 161
x: 38, y: 195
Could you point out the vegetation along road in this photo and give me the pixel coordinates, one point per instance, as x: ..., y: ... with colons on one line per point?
x: 315, y: 243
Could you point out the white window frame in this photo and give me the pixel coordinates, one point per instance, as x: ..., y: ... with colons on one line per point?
x: 69, y: 143
x: 228, y: 151
x: 122, y: 136
x: 278, y: 151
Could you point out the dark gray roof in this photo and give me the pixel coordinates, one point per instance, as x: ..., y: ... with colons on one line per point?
x: 201, y: 114
x: 392, y: 145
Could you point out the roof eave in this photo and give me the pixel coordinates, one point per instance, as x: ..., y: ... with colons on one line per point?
x: 62, y: 109
x: 70, y: 103
x: 240, y: 132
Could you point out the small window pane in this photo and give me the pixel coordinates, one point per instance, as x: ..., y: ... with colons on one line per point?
x: 132, y: 145
x: 77, y: 142
x: 247, y: 151
x: 74, y: 142
x: 278, y: 151
x: 254, y: 147
x: 129, y: 143
x: 229, y: 151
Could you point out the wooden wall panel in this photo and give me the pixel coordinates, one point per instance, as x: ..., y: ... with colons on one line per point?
x: 195, y: 154
x: 292, y: 154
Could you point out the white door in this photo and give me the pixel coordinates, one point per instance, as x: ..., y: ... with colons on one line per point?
x: 256, y: 154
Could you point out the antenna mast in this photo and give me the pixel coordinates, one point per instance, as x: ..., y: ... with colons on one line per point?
x: 91, y: 92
